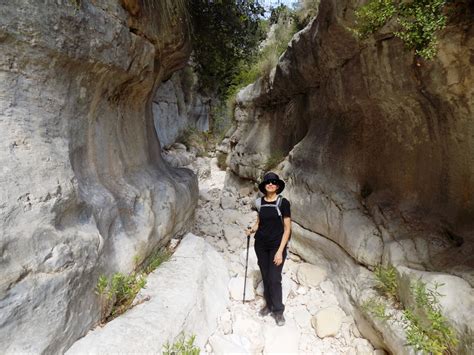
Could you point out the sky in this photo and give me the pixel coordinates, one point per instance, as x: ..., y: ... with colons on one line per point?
x: 268, y: 3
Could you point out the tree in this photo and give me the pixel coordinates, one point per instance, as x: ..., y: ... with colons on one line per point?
x: 226, y: 33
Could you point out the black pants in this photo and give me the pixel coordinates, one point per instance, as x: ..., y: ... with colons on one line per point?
x: 271, y: 275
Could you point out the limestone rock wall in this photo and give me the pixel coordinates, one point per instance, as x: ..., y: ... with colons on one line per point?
x: 177, y: 106
x: 379, y: 149
x: 84, y: 190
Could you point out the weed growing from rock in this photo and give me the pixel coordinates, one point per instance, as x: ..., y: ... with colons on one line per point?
x: 117, y: 293
x: 387, y: 281
x: 182, y: 346
x: 377, y: 308
x: 156, y: 260
x: 426, y: 328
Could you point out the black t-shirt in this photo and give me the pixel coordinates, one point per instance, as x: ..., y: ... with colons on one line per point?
x: 270, y: 227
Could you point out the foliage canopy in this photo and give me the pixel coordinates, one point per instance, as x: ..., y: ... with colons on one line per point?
x: 225, y: 33
x: 417, y: 22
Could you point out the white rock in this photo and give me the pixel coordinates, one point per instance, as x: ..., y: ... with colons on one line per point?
x: 379, y: 352
x: 228, y: 202
x: 284, y: 339
x: 235, y: 236
x: 327, y: 286
x: 195, y: 295
x: 229, y: 344
x: 301, y: 290
x: 236, y: 289
x: 244, y: 326
x: 327, y: 322
x: 362, y: 346
x: 226, y: 323
x: 288, y: 285
x: 302, y: 317
x: 310, y: 275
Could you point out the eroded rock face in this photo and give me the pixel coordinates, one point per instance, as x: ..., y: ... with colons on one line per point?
x: 84, y: 189
x: 177, y: 106
x: 379, y: 149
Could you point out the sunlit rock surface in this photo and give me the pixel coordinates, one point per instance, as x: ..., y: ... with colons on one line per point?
x: 84, y: 190
x: 185, y: 294
x: 378, y: 147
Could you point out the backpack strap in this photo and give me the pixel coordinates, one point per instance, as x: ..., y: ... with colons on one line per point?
x: 258, y: 205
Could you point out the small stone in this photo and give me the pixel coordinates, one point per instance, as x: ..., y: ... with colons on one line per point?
x: 226, y: 323
x: 228, y: 202
x: 236, y: 289
x: 302, y: 317
x: 327, y: 322
x: 310, y: 275
x: 301, y: 290
x: 284, y: 339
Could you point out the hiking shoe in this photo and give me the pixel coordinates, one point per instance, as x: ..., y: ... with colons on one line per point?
x: 279, y: 319
x: 265, y: 311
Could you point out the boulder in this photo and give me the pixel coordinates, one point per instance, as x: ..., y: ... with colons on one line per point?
x: 236, y: 289
x: 195, y: 295
x: 310, y: 275
x: 328, y: 321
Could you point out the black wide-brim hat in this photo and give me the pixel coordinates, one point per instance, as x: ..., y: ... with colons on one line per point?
x: 271, y: 176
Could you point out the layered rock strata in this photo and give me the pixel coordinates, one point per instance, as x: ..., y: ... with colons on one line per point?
x: 378, y: 146
x: 84, y: 189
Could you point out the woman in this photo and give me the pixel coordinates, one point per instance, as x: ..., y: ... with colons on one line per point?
x: 273, y: 227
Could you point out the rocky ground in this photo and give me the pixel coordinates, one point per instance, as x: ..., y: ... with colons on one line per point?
x: 314, y: 321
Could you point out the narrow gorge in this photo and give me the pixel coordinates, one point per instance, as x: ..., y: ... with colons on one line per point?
x: 98, y: 99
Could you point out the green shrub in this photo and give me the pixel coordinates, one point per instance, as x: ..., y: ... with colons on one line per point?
x: 158, y: 258
x: 387, y: 281
x: 117, y: 293
x: 182, y: 346
x: 417, y: 22
x: 226, y: 34
x: 426, y: 328
x: 377, y: 308
x: 221, y: 160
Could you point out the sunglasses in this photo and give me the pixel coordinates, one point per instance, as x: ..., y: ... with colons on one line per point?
x: 272, y: 181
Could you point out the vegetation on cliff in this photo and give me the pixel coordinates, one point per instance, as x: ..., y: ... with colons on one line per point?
x: 225, y: 34
x: 417, y: 23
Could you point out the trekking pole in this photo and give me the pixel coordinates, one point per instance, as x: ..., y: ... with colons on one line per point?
x: 246, y: 265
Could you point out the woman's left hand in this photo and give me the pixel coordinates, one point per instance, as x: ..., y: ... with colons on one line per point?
x: 278, y: 259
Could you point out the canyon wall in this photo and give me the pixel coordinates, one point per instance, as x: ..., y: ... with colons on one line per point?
x: 177, y: 107
x: 84, y: 190
x: 377, y: 149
